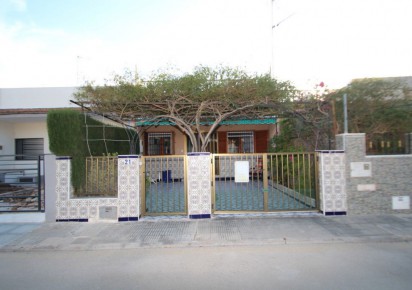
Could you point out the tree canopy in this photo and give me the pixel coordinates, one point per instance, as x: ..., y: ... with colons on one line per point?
x: 376, y: 106
x: 308, y: 126
x: 196, y: 103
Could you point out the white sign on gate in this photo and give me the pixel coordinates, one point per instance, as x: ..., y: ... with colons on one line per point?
x: 241, y: 171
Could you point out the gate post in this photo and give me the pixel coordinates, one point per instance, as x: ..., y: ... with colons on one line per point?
x: 332, y: 181
x: 265, y: 182
x: 50, y: 196
x: 129, y: 187
x: 198, y: 185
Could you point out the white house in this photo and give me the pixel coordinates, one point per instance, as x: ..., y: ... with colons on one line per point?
x: 23, y: 113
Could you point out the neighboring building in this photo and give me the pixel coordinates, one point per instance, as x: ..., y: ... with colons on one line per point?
x: 23, y: 113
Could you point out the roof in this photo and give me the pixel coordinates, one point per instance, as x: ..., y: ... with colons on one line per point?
x: 262, y: 121
x: 250, y: 121
x: 22, y: 111
x: 29, y: 111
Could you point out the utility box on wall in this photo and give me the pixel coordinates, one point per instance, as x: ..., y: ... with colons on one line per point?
x: 360, y: 169
x: 108, y: 212
x: 401, y: 202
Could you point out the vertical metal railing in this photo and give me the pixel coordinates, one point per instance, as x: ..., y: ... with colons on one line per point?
x: 21, y: 183
x: 164, y: 190
x: 293, y: 181
x: 229, y: 195
x: 277, y: 182
x: 388, y: 144
x: 40, y: 184
x: 101, y: 177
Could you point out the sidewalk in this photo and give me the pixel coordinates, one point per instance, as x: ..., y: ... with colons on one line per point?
x: 219, y: 231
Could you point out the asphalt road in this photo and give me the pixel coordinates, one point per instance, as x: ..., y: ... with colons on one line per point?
x: 290, y: 266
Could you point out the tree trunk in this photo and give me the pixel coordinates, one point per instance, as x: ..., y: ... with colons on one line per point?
x: 141, y: 142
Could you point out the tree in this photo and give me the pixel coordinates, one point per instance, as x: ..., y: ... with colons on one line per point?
x: 308, y: 126
x: 375, y: 106
x: 196, y: 103
x: 380, y: 108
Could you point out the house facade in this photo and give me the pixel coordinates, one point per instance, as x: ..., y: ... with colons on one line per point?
x: 240, y: 136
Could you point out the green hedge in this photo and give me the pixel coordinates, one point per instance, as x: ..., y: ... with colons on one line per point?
x: 68, y: 137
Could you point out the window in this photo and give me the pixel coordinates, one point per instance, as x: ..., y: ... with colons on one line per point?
x: 240, y: 142
x: 29, y: 149
x: 159, y: 144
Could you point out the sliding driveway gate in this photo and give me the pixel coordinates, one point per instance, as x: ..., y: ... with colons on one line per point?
x: 240, y: 183
x: 21, y: 183
x: 265, y: 182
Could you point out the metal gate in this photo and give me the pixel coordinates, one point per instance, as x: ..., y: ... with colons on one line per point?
x: 21, y: 183
x: 275, y: 182
x: 164, y: 186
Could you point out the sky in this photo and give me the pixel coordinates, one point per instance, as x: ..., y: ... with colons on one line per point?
x: 67, y: 42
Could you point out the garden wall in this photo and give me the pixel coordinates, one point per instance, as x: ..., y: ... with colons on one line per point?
x: 62, y: 206
x: 378, y: 184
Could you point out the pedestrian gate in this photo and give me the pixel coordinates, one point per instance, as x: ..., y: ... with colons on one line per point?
x: 165, y: 186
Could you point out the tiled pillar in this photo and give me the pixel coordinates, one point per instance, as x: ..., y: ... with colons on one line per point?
x: 198, y: 186
x: 333, y: 197
x: 63, y: 187
x: 129, y: 187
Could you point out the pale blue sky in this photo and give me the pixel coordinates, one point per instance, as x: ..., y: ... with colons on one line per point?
x: 65, y: 42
